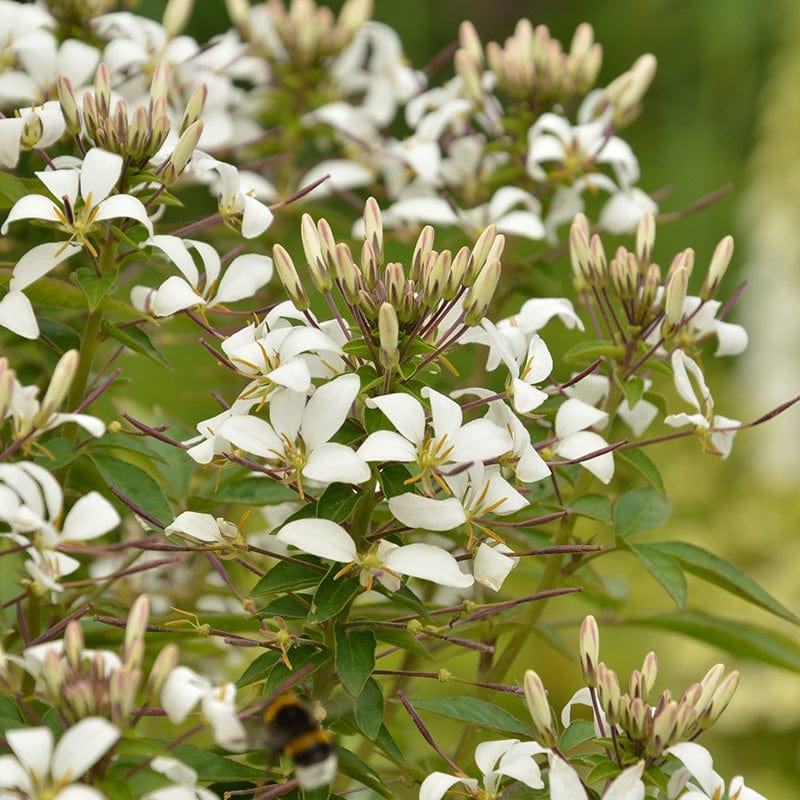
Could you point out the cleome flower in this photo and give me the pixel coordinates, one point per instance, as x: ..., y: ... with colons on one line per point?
x: 83, y: 202
x: 384, y: 562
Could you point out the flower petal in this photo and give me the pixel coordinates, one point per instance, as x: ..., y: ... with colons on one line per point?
x: 90, y: 517
x: 33, y: 747
x: 426, y: 513
x: 429, y: 562
x: 319, y: 537
x: 333, y: 462
x: 99, y: 172
x: 39, y: 261
x: 564, y: 781
x: 82, y: 746
x: 16, y: 314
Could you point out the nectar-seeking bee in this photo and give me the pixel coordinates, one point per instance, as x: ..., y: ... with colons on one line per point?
x: 293, y: 732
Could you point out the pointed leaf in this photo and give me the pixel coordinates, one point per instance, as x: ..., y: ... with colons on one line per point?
x: 337, y: 501
x: 664, y: 568
x: 369, y: 708
x: 352, y: 766
x: 473, y: 710
x: 137, y: 340
x: 289, y: 576
x: 640, y: 510
x: 639, y: 460
x: 248, y: 491
x: 211, y: 766
x: 594, y: 506
x: 716, y: 570
x: 355, y: 656
x: 332, y: 595
x: 393, y: 479
x: 578, y: 732
x: 94, y: 286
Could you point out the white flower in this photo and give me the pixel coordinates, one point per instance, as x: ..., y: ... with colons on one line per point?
x: 702, y: 322
x: 38, y: 769
x: 92, y: 184
x: 209, y: 443
x: 698, y: 764
x: 504, y: 758
x: 31, y: 127
x: 625, y: 208
x: 718, y: 430
x: 184, y: 780
x: 297, y: 438
x: 492, y: 564
x: 451, y: 444
x: 242, y: 278
x: 538, y: 311
x: 564, y: 783
x: 184, y: 689
x: 384, y: 562
x: 236, y: 196
x: 574, y: 441
x: 16, y: 314
x: 199, y: 528
x: 593, y: 389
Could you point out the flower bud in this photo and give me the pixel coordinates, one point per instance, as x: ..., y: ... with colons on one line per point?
x: 194, y: 108
x: 431, y: 279
x: 175, y: 16
x: 136, y: 625
x: 674, y: 300
x: 353, y: 15
x: 716, y: 271
x: 623, y: 275
x: 469, y: 70
x: 722, y: 697
x: 539, y: 709
x: 480, y: 253
x: 652, y: 281
x: 395, y: 283
x: 635, y: 684
x: 423, y: 246
x: 80, y: 699
x: 388, y: 331
x: 479, y: 297
x: 52, y: 673
x: 288, y: 276
x: 159, y: 85
x: 609, y: 690
x: 122, y: 689
x: 91, y: 119
x: 373, y: 228
x: 69, y: 105
x: 638, y: 713
x: 347, y: 274
x: 7, y: 379
x: 580, y: 252
x: 629, y: 93
x: 327, y: 244
x: 645, y: 238
x: 598, y: 265
x: 710, y: 682
x: 367, y: 305
x: 73, y: 645
x: 649, y: 675
x: 165, y: 662
x: 102, y: 92
x: 455, y: 274
x: 239, y: 11
x: 58, y: 388
x: 589, y: 650
x: 469, y: 41
x: 663, y: 730
x: 184, y: 150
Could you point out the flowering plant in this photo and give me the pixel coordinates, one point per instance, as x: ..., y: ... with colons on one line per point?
x: 415, y: 454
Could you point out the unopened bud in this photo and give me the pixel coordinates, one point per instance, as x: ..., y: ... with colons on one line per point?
x: 239, y: 12
x: 79, y: 699
x: 327, y: 244
x: 623, y: 275
x: 710, y: 682
x: 52, y: 674
x: 645, y: 238
x: 347, y: 274
x: 663, y: 730
x: 652, y: 281
x: 122, y: 689
x: 609, y: 691
x: 469, y: 70
x: 589, y: 650
x: 136, y: 625
x: 580, y: 252
x: 635, y: 684
x: 370, y: 273
x: 716, y: 271
x: 480, y: 253
x: 685, y: 259
x: 388, y: 331
x: 685, y: 722
x: 165, y: 662
x: 194, y: 108
x: 674, y: 300
x: 91, y: 119
x: 649, y: 674
x: 73, y: 645
x: 469, y: 41
x: 184, y: 150
x: 638, y: 713
x: 479, y: 297
x: 159, y: 85
x: 175, y: 16
x: 723, y: 696
x: 373, y: 228
x: 455, y: 275
x: 598, y: 265
x: 354, y: 14
x: 630, y: 91
x: 288, y: 276
x: 60, y: 383
x: 7, y: 379
x: 423, y: 246
x: 395, y: 283
x: 102, y: 91
x: 367, y: 306
x: 539, y: 709
x: 69, y: 105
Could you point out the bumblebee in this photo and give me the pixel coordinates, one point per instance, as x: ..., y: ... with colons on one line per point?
x: 293, y: 732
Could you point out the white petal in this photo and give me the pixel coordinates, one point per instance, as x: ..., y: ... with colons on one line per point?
x: 243, y: 277
x: 732, y: 339
x: 479, y: 440
x: 320, y: 537
x: 436, y: 785
x: 16, y: 314
x: 33, y: 747
x: 82, y: 746
x: 574, y: 415
x: 577, y: 445
x: 428, y: 562
x: 487, y: 754
x: 624, y: 210
x: 174, y: 295
x: 679, y: 420
x: 723, y: 440
x: 538, y: 311
x: 433, y: 210
x: 181, y: 692
x: 89, y: 423
x: 333, y: 462
x: 220, y: 713
x: 256, y: 218
x: 343, y: 174
x: 564, y: 781
x: 387, y: 446
x: 253, y: 435
x: 99, y: 173
x: 178, y: 253
x: 327, y: 409
x: 39, y: 261
x: 90, y: 517
x: 627, y: 785
x: 698, y: 761
x: 80, y: 791
x: 491, y: 567
x: 522, y: 223
x: 404, y: 412
x: 203, y: 527
x: 527, y: 398
x: 684, y: 370
x: 124, y: 205
x: 13, y: 776
x: 417, y: 511
x: 531, y: 467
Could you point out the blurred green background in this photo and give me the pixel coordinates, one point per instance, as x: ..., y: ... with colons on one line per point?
x: 699, y: 130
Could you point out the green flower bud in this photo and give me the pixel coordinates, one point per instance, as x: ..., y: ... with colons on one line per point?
x: 539, y: 709
x: 388, y: 332
x: 69, y: 105
x: 589, y: 650
x: 287, y: 274
x: 373, y: 228
x: 716, y: 271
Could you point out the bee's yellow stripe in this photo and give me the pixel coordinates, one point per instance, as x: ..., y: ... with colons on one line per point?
x: 306, y: 742
x: 279, y: 703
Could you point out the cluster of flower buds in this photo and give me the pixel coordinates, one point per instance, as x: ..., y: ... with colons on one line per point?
x: 81, y: 683
x: 532, y: 67
x: 139, y: 135
x: 307, y: 33
x: 436, y: 298
x: 648, y: 299
x: 640, y: 723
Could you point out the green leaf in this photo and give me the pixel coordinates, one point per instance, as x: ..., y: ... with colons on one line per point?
x: 336, y: 502
x: 578, y: 732
x: 352, y: 766
x: 633, y: 389
x: 586, y: 352
x: 604, y: 771
x: 248, y: 491
x: 62, y: 336
x: 213, y: 767
x: 640, y: 461
x: 664, y: 568
x: 137, y: 340
x: 94, y: 286
x: 286, y: 605
x: 57, y: 453
x: 594, y: 506
x: 289, y: 576
x: 400, y: 637
x: 134, y: 483
x: 369, y: 708
x: 388, y: 746
x: 716, y: 570
x: 405, y: 597
x: 355, y: 656
x: 640, y: 510
x: 11, y: 190
x: 260, y: 667
x: 332, y: 595
x: 736, y: 636
x: 393, y: 480
x: 471, y: 709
